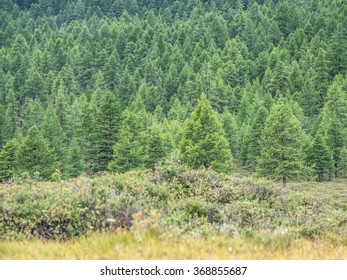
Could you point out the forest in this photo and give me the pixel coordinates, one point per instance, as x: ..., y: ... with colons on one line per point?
x: 175, y: 93
x: 88, y: 87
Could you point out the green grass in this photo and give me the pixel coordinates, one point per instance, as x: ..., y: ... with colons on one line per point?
x: 124, y: 246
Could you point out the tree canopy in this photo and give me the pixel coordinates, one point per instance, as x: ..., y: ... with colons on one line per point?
x: 117, y: 85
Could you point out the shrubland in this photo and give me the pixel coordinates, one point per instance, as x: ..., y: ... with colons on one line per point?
x: 174, y: 202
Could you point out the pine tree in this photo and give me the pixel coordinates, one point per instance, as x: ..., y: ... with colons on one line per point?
x: 282, y: 156
x: 320, y: 156
x: 34, y: 154
x: 203, y: 143
x: 8, y: 160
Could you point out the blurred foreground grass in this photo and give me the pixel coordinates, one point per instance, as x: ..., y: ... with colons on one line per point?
x: 125, y: 246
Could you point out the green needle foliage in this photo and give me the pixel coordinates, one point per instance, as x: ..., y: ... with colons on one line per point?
x: 282, y: 156
x: 106, y: 128
x: 34, y: 154
x: 321, y: 157
x: 8, y: 160
x: 129, y: 152
x: 78, y: 66
x: 75, y: 162
x: 203, y: 143
x: 256, y: 132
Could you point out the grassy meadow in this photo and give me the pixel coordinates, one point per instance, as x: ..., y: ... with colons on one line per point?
x: 124, y: 246
x: 172, y: 213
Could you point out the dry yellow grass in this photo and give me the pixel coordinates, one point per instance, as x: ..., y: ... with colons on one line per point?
x: 123, y: 246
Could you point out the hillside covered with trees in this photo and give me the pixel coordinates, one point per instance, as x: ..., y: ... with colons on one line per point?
x: 91, y: 86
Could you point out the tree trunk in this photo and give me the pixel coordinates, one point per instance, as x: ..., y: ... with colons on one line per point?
x: 284, y: 181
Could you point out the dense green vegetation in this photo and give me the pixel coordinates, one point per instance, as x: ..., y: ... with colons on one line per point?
x: 174, y: 201
x: 92, y: 86
x: 130, y: 126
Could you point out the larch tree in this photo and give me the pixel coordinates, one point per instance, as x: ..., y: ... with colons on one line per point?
x: 8, y: 160
x: 204, y: 143
x: 156, y: 150
x: 255, y: 135
x: 282, y: 157
x: 332, y: 129
x: 321, y: 157
x: 130, y: 150
x: 107, y: 123
x: 231, y: 130
x: 75, y: 161
x: 34, y: 154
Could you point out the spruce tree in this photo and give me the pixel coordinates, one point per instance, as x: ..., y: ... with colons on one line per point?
x: 281, y: 145
x: 34, y: 154
x: 203, y: 143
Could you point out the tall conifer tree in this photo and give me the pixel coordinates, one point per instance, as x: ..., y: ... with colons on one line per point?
x: 203, y: 143
x: 34, y: 154
x: 282, y: 156
x: 255, y: 135
x: 8, y: 160
x: 107, y: 122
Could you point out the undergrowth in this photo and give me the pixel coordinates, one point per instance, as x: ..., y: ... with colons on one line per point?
x: 174, y: 201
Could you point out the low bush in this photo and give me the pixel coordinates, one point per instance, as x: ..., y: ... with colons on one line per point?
x: 184, y: 201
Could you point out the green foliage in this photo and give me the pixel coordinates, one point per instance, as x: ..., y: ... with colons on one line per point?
x: 129, y: 152
x: 150, y: 201
x: 256, y: 132
x: 53, y: 134
x: 156, y: 150
x: 9, y: 160
x: 231, y: 130
x: 34, y: 154
x: 203, y: 143
x: 282, y: 156
x: 320, y: 156
x: 334, y: 133
x: 75, y: 162
x: 106, y: 129
x: 78, y: 65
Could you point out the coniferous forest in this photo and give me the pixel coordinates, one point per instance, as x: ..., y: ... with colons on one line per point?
x: 181, y: 92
